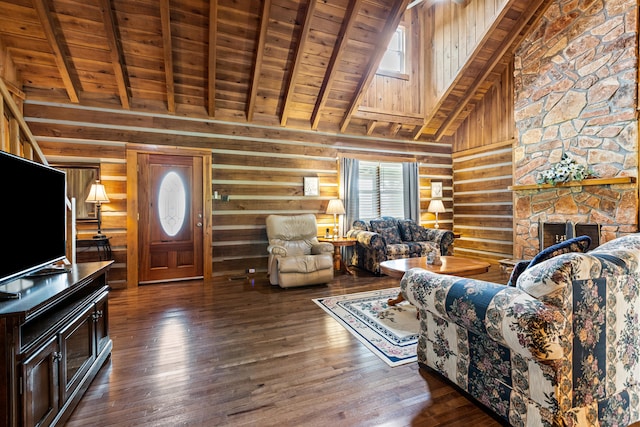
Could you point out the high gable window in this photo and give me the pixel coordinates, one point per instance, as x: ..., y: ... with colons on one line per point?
x: 381, y: 190
x: 394, y: 59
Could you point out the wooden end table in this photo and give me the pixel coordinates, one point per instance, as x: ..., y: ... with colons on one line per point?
x: 339, y: 242
x: 454, y: 265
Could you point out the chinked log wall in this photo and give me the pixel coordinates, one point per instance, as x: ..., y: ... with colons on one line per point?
x: 261, y: 169
x: 482, y: 171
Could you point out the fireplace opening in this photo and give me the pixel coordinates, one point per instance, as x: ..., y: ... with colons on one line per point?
x: 551, y: 233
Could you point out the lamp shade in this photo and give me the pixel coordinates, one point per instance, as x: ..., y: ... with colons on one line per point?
x: 335, y: 207
x: 436, y: 206
x: 97, y: 194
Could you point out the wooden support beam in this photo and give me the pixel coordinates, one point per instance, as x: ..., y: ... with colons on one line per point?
x: 14, y: 137
x: 391, y: 24
x: 4, y: 140
x: 64, y: 65
x: 257, y: 66
x: 165, y: 19
x: 115, y: 53
x: 297, y: 59
x: 211, y: 68
x: 394, y: 128
x: 348, y: 24
x: 16, y: 115
x: 371, y: 127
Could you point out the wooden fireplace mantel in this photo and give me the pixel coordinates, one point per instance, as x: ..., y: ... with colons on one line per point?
x: 585, y: 182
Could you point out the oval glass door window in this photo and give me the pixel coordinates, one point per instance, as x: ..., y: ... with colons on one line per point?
x: 172, y: 202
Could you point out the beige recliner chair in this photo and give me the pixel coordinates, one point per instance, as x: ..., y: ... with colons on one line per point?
x: 296, y: 258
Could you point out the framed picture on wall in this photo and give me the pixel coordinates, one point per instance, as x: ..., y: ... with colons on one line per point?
x: 311, y: 186
x: 436, y: 190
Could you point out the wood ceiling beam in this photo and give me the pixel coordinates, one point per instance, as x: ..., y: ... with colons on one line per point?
x: 295, y: 70
x: 117, y: 56
x: 211, y: 69
x: 506, y: 44
x: 348, y: 24
x: 165, y: 19
x: 371, y: 127
x: 64, y: 65
x: 253, y: 90
x: 391, y: 24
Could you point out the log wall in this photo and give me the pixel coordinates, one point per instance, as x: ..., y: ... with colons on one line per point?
x: 482, y: 172
x: 259, y: 169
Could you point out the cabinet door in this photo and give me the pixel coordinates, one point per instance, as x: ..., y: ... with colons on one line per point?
x: 101, y: 319
x: 41, y: 393
x: 78, y: 351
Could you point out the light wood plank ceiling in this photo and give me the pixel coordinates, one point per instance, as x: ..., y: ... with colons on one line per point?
x: 295, y: 63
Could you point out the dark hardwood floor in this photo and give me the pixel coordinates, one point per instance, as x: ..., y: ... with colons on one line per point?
x: 242, y: 352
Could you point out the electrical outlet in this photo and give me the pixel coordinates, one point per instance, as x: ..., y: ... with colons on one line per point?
x: 251, y: 270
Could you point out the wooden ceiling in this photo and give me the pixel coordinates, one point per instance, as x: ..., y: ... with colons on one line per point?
x: 295, y: 63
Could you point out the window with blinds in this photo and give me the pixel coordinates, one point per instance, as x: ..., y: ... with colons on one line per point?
x: 381, y: 190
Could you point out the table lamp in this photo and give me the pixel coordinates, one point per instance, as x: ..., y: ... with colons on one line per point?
x: 436, y: 206
x: 98, y: 195
x: 336, y: 208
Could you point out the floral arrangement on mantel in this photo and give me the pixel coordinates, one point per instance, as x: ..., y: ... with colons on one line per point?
x: 564, y: 171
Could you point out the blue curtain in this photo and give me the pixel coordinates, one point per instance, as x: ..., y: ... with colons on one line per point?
x: 349, y: 170
x: 411, y: 184
x: 348, y: 192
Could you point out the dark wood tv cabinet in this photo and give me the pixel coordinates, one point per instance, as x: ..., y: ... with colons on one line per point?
x: 53, y: 341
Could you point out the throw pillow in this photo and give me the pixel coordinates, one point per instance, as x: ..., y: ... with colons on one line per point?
x: 405, y: 226
x: 391, y: 235
x: 379, y: 224
x: 576, y: 244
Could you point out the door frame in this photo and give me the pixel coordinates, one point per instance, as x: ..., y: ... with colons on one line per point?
x: 132, y: 206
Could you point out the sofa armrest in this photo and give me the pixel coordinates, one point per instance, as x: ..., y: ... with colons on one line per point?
x: 277, y: 250
x: 367, y: 239
x: 442, y: 238
x: 321, y: 248
x: 504, y: 314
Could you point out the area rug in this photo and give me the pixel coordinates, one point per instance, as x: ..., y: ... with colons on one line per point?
x: 389, y: 332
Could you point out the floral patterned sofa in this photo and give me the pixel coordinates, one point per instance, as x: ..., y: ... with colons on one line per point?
x: 559, y: 348
x: 390, y: 238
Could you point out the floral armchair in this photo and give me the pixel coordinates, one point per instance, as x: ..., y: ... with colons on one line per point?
x: 390, y: 238
x: 560, y: 348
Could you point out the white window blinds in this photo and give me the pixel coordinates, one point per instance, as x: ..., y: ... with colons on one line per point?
x: 381, y: 190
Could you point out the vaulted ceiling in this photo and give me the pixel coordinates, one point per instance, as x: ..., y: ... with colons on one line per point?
x: 294, y: 63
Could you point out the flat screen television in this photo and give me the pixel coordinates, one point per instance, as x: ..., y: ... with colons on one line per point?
x: 32, y: 215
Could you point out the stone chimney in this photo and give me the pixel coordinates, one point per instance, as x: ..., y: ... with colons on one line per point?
x: 576, y: 79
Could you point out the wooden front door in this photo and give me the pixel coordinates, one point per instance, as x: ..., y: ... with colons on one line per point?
x: 170, y: 225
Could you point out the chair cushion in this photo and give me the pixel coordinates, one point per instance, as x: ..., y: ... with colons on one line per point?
x: 305, y: 263
x: 397, y: 250
x: 577, y: 244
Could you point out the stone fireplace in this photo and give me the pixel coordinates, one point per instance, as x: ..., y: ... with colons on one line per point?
x: 576, y: 93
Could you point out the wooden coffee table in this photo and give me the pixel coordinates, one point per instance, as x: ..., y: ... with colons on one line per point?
x: 453, y: 265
